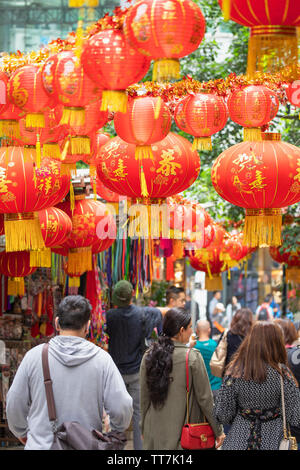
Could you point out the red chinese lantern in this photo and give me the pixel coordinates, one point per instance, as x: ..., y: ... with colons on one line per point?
x: 290, y: 258
x: 26, y: 91
x: 90, y: 219
x: 165, y: 31
x: 273, y: 32
x: 262, y: 177
x: 56, y: 227
x: 67, y: 83
x: 174, y: 167
x: 3, y: 92
x: 106, y: 193
x: 24, y: 190
x: 208, y: 261
x: 252, y: 107
x: 113, y: 65
x: 201, y: 115
x: 15, y: 265
x: 146, y: 121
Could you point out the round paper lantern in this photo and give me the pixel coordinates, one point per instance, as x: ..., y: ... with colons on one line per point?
x: 174, y: 167
x: 56, y: 227
x: 89, y: 219
x: 26, y: 91
x: 273, y: 32
x: 290, y: 258
x: 106, y: 193
x: 24, y: 190
x: 67, y: 83
x: 146, y: 121
x: 252, y: 107
x: 113, y: 65
x: 15, y: 265
x: 165, y: 31
x: 293, y: 93
x: 262, y: 177
x: 9, y: 121
x: 208, y: 261
x: 201, y: 115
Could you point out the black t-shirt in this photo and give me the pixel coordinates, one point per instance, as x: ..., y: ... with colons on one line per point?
x: 124, y: 327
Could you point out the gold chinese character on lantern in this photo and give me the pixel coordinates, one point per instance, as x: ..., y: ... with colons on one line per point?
x: 167, y: 165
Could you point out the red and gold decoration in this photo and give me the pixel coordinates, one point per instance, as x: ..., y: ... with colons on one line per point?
x: 24, y: 190
x: 283, y: 254
x: 26, y: 91
x: 253, y: 107
x: 165, y: 31
x: 67, y: 83
x: 174, y: 167
x: 201, y: 115
x: 56, y: 227
x: 9, y: 121
x: 293, y: 93
x: 146, y: 121
x: 262, y: 177
x: 113, y: 65
x: 91, y: 221
x: 15, y: 265
x: 273, y: 26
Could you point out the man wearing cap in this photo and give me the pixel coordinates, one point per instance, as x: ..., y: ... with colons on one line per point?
x: 127, y: 326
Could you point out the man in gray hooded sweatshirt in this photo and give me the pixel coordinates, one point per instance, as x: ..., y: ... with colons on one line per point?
x: 85, y: 380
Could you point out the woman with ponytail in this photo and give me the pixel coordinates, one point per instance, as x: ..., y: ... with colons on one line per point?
x: 163, y: 386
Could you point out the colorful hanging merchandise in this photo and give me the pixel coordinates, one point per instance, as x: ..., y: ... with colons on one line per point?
x: 165, y: 31
x: 273, y: 26
x: 201, y: 115
x: 262, y: 177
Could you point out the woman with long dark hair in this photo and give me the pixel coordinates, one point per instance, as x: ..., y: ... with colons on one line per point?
x: 163, y: 386
x: 239, y: 328
x: 250, y: 396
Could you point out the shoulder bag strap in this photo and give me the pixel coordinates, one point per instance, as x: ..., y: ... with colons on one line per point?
x: 48, y: 384
x: 283, y: 406
x: 187, y: 384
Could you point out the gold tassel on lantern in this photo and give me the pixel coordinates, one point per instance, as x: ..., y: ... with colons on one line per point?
x: 23, y: 232
x: 92, y: 3
x: 157, y: 107
x: 143, y: 182
x: 263, y: 227
x: 80, y: 145
x: 213, y: 283
x: 114, y: 100
x: 143, y: 152
x: 35, y: 120
x: 73, y: 116
x: 76, y: 3
x: 15, y: 286
x: 40, y: 258
x: 271, y: 48
x: 38, y: 151
x: 52, y: 150
x: 165, y: 70
x: 252, y: 134
x: 80, y: 259
x: 226, y: 9
x: 9, y: 128
x: 202, y: 143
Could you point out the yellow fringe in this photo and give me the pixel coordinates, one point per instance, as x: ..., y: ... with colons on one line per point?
x: 157, y: 107
x: 143, y: 182
x: 226, y: 9
x: 73, y: 117
x: 262, y: 230
x: 143, y: 152
x: 271, y: 48
x: 252, y: 134
x: 202, y: 143
x: 52, y: 150
x: 22, y: 234
x: 38, y: 151
x: 92, y: 3
x: 72, y: 197
x: 16, y: 286
x: 80, y: 145
x: 40, y: 258
x: 35, y: 120
x: 76, y: 3
x: 213, y: 284
x: 79, y: 41
x: 165, y: 70
x: 9, y: 128
x: 80, y: 260
x: 114, y: 100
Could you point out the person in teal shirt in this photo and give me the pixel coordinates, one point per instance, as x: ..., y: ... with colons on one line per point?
x: 206, y: 346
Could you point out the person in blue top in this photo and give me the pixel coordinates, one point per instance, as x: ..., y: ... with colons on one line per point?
x: 206, y: 346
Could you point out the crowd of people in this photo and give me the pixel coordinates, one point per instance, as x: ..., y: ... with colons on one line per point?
x: 142, y: 377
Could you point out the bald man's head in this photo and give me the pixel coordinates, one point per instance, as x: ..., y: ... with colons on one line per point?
x: 203, y: 327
